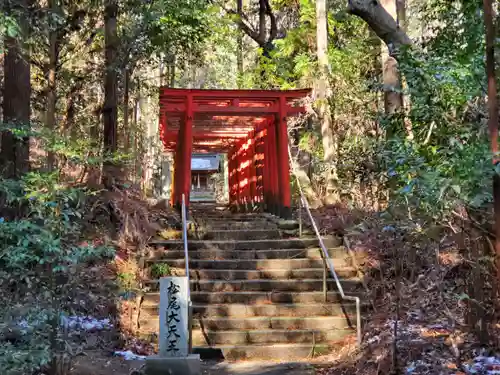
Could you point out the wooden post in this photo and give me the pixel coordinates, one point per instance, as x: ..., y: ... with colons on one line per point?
x: 229, y: 176
x: 265, y: 171
x: 233, y: 178
x: 237, y: 167
x: 283, y: 162
x: 245, y: 174
x: 273, y: 170
x: 252, y: 170
x: 259, y: 166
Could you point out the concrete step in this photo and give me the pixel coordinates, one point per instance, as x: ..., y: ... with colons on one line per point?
x: 289, y: 243
x: 263, y: 285
x: 241, y: 235
x: 218, y: 254
x: 223, y: 225
x: 280, y: 323
x: 228, y: 217
x: 253, y: 298
x: 272, y: 274
x: 204, y: 217
x: 274, y: 310
x: 151, y: 323
x: 275, y: 336
x: 254, y: 264
x: 281, y: 352
x: 205, y: 337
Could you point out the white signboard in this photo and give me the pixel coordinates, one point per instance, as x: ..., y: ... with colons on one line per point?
x: 174, y: 334
x: 197, y: 163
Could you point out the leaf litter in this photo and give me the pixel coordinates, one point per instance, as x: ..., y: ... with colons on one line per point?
x: 431, y: 335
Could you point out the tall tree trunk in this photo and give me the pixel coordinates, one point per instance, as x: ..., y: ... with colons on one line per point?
x: 110, y: 90
x: 300, y: 165
x: 171, y: 68
x: 401, y: 14
x: 381, y: 16
x: 329, y: 138
x: 69, y: 116
x: 17, y: 95
x: 239, y: 42
x: 50, y: 117
x: 493, y: 122
x: 393, y: 100
x: 94, y: 174
x: 135, y: 131
x: 126, y: 110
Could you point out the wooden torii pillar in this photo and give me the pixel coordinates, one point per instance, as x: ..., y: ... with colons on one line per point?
x: 182, y: 160
x: 285, y: 197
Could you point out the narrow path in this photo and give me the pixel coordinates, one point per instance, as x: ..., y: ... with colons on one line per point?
x: 257, y: 368
x: 96, y: 364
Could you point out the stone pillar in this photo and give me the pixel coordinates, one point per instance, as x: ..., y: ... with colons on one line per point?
x: 174, y: 357
x: 174, y: 312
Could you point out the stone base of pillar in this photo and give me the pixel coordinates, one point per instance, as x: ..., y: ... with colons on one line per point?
x: 190, y: 365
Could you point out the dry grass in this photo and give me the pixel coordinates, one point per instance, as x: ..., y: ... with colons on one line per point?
x: 421, y: 281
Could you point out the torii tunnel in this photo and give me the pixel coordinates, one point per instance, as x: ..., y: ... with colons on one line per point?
x: 249, y: 125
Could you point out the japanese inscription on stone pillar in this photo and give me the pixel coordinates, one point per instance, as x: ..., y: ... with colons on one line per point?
x: 174, y: 333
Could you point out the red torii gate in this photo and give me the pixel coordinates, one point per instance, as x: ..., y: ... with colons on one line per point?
x: 250, y: 125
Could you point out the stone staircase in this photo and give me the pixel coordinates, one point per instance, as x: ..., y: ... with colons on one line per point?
x: 256, y: 293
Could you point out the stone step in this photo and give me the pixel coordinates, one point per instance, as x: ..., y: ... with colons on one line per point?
x: 151, y: 323
x: 252, y: 264
x: 205, y: 337
x: 289, y: 243
x: 218, y: 254
x: 292, y: 274
x: 273, y: 352
x: 204, y: 217
x: 260, y: 297
x: 274, y: 310
x: 216, y: 225
x: 263, y: 285
x: 275, y: 336
x: 241, y: 235
x: 263, y: 323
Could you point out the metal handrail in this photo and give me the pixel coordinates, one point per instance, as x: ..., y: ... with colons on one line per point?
x: 186, y: 258
x: 184, y: 238
x: 325, y: 255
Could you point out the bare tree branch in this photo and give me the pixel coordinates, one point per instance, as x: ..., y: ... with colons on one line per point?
x: 381, y: 22
x: 262, y: 22
x: 274, y: 26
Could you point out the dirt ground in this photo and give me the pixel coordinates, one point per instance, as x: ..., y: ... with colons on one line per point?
x: 102, y: 365
x: 99, y: 364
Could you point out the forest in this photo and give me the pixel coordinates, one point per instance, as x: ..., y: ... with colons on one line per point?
x: 397, y: 151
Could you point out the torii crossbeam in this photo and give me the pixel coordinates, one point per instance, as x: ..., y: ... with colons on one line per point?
x: 249, y: 125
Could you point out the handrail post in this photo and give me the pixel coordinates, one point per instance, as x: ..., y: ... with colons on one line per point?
x: 186, y: 258
x: 184, y: 236
x: 300, y: 217
x: 325, y: 286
